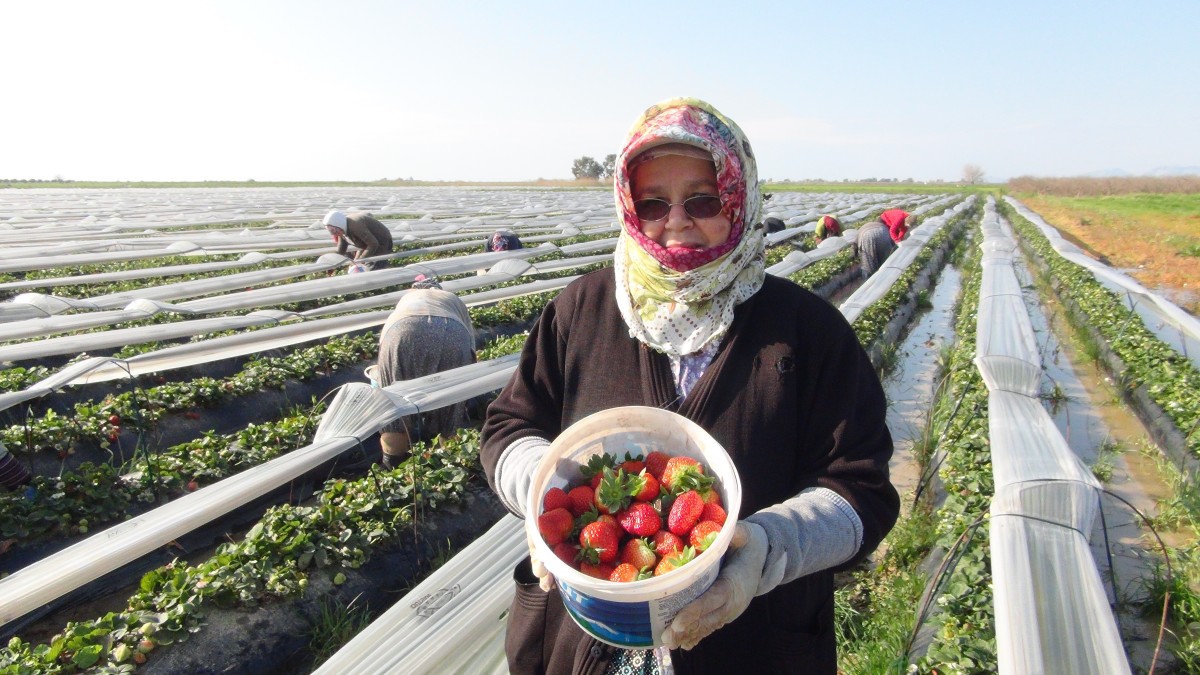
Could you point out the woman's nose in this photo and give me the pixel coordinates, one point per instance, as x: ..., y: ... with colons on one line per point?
x: 677, y: 217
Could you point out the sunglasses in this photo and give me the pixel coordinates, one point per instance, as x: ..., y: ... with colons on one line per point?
x: 700, y: 206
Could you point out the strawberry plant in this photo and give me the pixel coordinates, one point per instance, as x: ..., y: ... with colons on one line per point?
x: 346, y: 522
x: 1170, y: 378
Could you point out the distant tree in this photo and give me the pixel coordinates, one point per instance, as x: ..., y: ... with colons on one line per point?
x: 586, y: 167
x: 972, y: 174
x: 610, y: 167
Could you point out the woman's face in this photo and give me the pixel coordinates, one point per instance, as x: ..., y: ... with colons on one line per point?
x: 676, y: 178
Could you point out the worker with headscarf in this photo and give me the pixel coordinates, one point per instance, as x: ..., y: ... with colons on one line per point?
x: 429, y: 331
x: 827, y: 226
x: 898, y: 223
x: 687, y: 319
x: 502, y: 240
x: 368, y: 235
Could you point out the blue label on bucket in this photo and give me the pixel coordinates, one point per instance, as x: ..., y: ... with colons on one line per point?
x: 624, y: 624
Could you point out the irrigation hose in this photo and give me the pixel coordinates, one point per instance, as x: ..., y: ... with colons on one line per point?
x: 942, y: 572
x: 926, y: 477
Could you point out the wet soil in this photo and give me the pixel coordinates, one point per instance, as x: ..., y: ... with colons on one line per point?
x: 910, y: 385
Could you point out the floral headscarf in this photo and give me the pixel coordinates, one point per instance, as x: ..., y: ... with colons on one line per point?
x: 680, y: 302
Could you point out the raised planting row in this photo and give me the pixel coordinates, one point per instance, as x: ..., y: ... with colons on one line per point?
x: 97, y: 493
x: 963, y: 638
x: 19, y: 379
x: 873, y: 322
x: 1154, y: 378
x: 102, y: 422
x: 347, y: 523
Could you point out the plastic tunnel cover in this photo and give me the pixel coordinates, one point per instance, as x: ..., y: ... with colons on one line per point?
x: 358, y: 410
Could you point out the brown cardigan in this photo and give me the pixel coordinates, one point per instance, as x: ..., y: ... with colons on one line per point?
x: 792, y: 397
x: 368, y: 235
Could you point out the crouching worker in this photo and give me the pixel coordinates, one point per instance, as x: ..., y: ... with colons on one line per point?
x: 429, y: 331
x: 368, y: 235
x: 13, y: 474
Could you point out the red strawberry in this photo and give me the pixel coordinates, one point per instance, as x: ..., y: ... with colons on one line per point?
x: 114, y: 419
x: 600, y: 542
x: 633, y: 466
x: 639, y: 553
x: 644, y: 487
x: 600, y: 571
x: 684, y: 473
x: 655, y: 463
x: 625, y: 573
x: 555, y: 498
x: 613, y: 492
x: 640, y: 520
x: 667, y: 542
x: 685, y: 512
x: 567, y: 552
x: 703, y: 535
x: 674, y: 561
x: 581, y: 499
x: 711, y: 496
x: 555, y: 526
x: 713, y: 511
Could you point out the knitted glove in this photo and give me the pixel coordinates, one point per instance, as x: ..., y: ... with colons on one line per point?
x: 729, y: 595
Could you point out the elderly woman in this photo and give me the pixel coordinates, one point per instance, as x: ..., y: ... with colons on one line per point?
x: 687, y: 320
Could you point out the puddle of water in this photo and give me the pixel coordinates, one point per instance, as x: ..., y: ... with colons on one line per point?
x: 910, y: 385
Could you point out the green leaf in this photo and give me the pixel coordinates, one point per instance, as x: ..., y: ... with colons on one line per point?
x: 88, y: 656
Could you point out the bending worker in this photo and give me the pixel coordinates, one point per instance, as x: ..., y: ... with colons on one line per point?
x: 873, y: 245
x: 368, y: 235
x: 827, y: 226
x: 428, y: 332
x: 898, y: 222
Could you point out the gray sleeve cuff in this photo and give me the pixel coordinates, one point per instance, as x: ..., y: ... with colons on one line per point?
x: 815, y: 530
x: 514, y: 472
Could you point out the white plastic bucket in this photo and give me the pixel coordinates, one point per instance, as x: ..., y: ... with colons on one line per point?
x: 632, y: 614
x: 372, y: 373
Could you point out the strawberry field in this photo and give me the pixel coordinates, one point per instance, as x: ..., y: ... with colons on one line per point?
x: 184, y: 378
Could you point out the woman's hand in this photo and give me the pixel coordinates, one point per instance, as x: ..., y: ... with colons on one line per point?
x: 545, y: 579
x: 729, y: 595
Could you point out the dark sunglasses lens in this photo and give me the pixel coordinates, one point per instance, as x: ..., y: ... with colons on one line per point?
x: 651, y: 209
x: 703, y: 206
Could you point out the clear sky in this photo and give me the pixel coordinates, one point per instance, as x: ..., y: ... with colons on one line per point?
x: 447, y: 90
